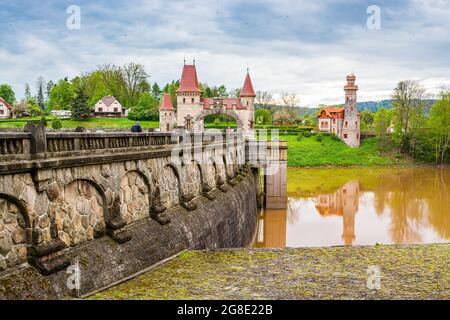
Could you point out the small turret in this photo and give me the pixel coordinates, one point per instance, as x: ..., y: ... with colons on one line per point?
x: 248, y: 101
x: 167, y: 116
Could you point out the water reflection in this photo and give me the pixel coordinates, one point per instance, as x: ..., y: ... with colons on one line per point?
x: 360, y: 207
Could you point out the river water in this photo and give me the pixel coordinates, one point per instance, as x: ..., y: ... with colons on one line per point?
x: 360, y: 206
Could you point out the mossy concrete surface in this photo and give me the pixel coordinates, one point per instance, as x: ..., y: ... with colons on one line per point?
x: 407, y: 272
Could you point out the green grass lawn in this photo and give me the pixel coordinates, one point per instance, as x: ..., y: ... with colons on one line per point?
x: 119, y: 123
x: 306, y: 152
x: 309, y: 152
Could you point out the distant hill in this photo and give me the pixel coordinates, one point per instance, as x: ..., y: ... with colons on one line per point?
x: 373, y: 106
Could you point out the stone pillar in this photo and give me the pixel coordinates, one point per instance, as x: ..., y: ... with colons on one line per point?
x: 275, y: 185
x: 38, y: 142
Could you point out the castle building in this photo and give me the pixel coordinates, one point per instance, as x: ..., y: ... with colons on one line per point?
x: 192, y: 108
x: 343, y: 122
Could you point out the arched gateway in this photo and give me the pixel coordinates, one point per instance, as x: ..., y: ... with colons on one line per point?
x: 192, y: 108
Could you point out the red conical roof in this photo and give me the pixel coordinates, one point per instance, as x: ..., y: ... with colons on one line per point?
x: 166, y: 102
x: 247, y: 89
x: 189, y: 81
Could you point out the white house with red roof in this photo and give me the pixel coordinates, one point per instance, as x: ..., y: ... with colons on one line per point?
x: 108, y: 106
x: 192, y: 108
x: 5, y: 109
x: 343, y: 122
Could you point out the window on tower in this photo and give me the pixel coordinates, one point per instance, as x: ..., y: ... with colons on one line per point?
x: 184, y: 100
x: 192, y: 100
x: 346, y: 124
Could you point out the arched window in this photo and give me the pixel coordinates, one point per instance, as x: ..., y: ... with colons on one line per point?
x: 346, y: 124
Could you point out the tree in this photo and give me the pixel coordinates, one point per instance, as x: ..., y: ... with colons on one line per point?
x: 156, y: 91
x: 48, y: 89
x: 290, y: 99
x: 135, y: 81
x: 440, y: 126
x: 263, y: 116
x: 367, y: 118
x: 7, y: 93
x: 283, y: 116
x: 80, y: 108
x: 40, y: 93
x: 61, y: 96
x: 147, y: 108
x: 235, y: 93
x: 33, y: 107
x: 409, y: 102
x: 263, y: 99
x: 382, y: 122
x: 27, y: 92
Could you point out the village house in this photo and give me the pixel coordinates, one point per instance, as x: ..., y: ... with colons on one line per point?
x: 343, y: 122
x: 108, y: 106
x: 192, y: 108
x: 5, y: 109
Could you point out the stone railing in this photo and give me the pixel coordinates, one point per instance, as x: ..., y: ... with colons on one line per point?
x: 14, y: 145
x: 36, y: 143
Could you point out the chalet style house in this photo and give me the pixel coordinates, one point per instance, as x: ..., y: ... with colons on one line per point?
x: 5, y: 109
x: 108, y: 106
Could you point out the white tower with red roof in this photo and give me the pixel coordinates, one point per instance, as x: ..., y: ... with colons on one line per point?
x: 167, y: 114
x: 351, y: 125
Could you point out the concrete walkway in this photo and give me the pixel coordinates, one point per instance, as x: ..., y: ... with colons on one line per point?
x: 407, y: 272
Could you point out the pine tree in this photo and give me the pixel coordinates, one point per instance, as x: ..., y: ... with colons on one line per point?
x: 40, y: 93
x: 80, y: 108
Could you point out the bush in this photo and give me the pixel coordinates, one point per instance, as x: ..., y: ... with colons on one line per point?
x: 299, y: 136
x: 319, y: 137
x: 56, y: 124
x: 44, y: 121
x: 335, y: 137
x: 307, y: 134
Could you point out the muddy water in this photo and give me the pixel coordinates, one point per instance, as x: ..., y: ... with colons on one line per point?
x: 360, y: 206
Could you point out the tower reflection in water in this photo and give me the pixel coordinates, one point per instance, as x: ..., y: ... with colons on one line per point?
x: 344, y: 202
x: 386, y: 206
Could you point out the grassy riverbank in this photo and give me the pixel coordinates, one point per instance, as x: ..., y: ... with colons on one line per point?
x: 407, y: 272
x: 331, y: 152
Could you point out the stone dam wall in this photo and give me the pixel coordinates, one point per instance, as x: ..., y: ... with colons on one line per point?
x: 114, y: 204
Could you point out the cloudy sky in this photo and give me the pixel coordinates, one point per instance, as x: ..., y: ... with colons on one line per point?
x: 302, y: 46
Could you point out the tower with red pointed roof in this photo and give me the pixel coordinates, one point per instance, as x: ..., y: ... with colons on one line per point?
x: 192, y: 108
x: 167, y: 115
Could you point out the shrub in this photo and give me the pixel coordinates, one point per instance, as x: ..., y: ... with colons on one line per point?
x: 319, y: 137
x: 307, y: 134
x: 56, y: 124
x: 44, y: 121
x: 335, y: 137
x: 299, y: 136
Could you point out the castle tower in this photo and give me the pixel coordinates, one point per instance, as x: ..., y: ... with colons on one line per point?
x: 351, y: 124
x: 248, y: 101
x: 189, y: 99
x: 167, y: 115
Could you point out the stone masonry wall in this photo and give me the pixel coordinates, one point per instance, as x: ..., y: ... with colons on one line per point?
x: 227, y: 221
x: 46, y: 214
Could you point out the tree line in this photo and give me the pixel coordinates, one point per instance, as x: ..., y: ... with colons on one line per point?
x: 411, y: 126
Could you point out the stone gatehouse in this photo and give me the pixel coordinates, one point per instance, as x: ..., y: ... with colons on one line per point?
x: 192, y: 108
